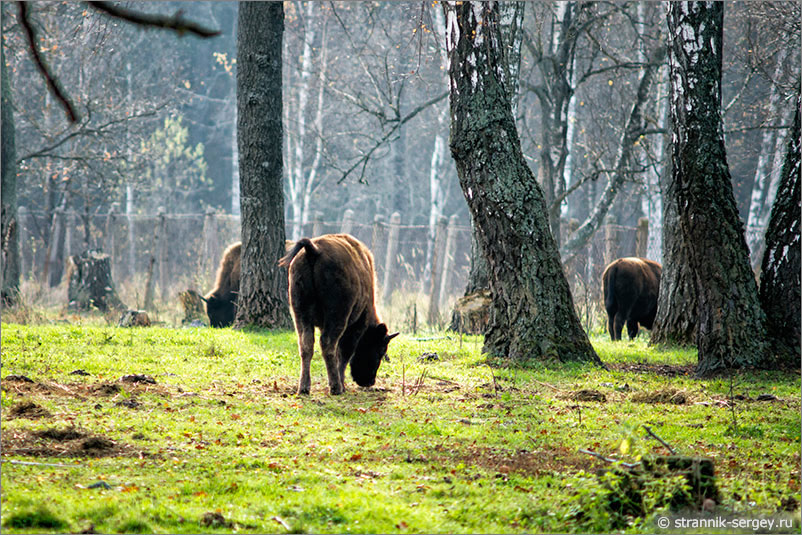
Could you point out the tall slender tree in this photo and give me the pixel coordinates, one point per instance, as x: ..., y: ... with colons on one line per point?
x: 780, y: 292
x: 731, y: 325
x: 9, y: 227
x: 263, y: 285
x: 532, y: 312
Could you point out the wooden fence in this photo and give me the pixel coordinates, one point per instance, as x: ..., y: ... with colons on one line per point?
x: 183, y: 251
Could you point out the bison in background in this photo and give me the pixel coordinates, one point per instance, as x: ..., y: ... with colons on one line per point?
x: 221, y: 303
x: 630, y: 287
x: 332, y: 285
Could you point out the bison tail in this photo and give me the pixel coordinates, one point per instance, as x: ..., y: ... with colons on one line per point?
x: 608, y: 287
x: 303, y: 243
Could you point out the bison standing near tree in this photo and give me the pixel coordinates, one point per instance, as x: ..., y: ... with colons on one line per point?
x: 630, y: 287
x: 221, y: 303
x: 332, y: 285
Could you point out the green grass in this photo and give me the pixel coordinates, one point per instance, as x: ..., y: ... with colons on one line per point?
x: 455, y: 445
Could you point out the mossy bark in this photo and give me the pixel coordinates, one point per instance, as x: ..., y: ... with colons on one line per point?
x: 532, y: 314
x: 780, y: 293
x: 730, y: 331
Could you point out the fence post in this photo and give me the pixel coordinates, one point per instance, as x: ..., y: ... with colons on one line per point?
x: 108, y: 233
x: 448, y: 259
x: 162, y: 248
x: 25, y: 248
x: 377, y: 243
x: 389, y: 258
x: 642, y: 237
x: 317, y: 224
x: 348, y: 222
x: 437, y: 269
x: 609, y: 240
x: 211, y: 247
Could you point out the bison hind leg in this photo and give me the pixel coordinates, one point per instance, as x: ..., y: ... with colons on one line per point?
x: 618, y: 327
x: 328, y: 346
x: 632, y: 329
x: 306, y: 346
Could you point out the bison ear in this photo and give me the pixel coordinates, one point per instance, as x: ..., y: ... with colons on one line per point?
x: 390, y: 337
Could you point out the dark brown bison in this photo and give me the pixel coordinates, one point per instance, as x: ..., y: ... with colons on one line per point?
x: 630, y: 287
x: 332, y: 285
x: 221, y: 303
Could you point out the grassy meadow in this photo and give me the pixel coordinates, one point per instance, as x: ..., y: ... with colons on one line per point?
x: 197, y: 430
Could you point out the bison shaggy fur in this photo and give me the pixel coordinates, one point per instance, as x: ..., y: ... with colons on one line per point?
x: 221, y: 303
x: 630, y: 287
x: 332, y: 284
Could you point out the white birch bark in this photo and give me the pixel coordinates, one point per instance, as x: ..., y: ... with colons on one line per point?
x: 758, y: 214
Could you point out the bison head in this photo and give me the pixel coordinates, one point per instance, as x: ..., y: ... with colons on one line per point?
x: 370, y: 351
x: 221, y: 311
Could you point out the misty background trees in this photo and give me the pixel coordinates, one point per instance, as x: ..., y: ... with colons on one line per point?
x: 365, y: 116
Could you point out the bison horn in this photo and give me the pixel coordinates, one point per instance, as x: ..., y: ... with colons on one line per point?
x: 390, y: 337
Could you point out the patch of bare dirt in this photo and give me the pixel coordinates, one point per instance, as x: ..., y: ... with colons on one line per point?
x: 138, y: 378
x: 586, y: 395
x: 29, y: 410
x: 538, y: 462
x: 104, y: 389
x: 64, y: 442
x: 133, y: 384
x: 664, y: 370
x: 26, y: 386
x: 670, y: 395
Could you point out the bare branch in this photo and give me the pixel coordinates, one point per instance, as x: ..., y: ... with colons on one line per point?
x: 176, y: 23
x: 52, y: 83
x: 83, y: 131
x: 660, y: 440
x: 363, y: 161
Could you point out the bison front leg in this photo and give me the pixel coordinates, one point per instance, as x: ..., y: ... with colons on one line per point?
x: 306, y: 346
x: 328, y: 346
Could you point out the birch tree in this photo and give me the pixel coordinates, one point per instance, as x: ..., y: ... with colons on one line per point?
x: 780, y: 293
x: 731, y: 325
x: 9, y: 227
x: 532, y: 312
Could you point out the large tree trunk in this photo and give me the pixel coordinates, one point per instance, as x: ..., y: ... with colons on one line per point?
x: 8, y: 222
x: 262, y: 299
x: 532, y: 315
x: 675, y: 323
x: 731, y: 331
x: 780, y: 279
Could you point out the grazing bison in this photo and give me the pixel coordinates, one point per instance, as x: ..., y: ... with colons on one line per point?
x: 332, y: 286
x: 630, y: 287
x: 221, y: 303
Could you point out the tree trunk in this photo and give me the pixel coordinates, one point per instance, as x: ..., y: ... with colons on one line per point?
x: 512, y: 14
x: 731, y: 331
x: 9, y: 222
x: 263, y: 287
x: 90, y: 285
x: 675, y: 323
x: 780, y: 278
x: 532, y: 315
x: 760, y: 193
